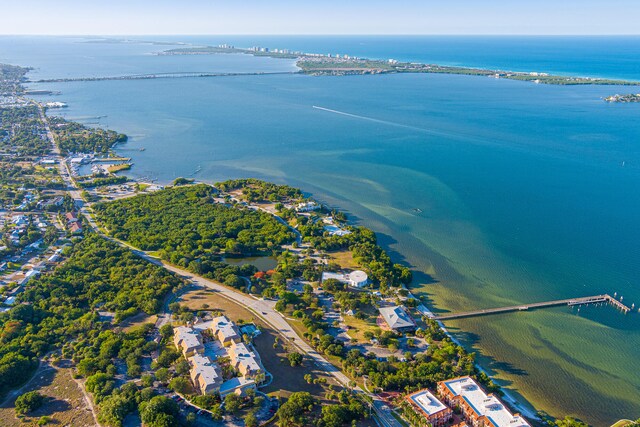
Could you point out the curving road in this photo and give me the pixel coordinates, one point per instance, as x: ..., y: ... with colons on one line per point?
x: 264, y: 309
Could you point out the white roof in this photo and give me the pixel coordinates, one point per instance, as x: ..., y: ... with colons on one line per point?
x: 226, y: 327
x: 234, y: 384
x: 32, y: 273
x: 241, y: 354
x: 190, y: 337
x: 203, y: 366
x: 427, y: 402
x: 354, y: 278
x: 358, y: 276
x: 487, y: 405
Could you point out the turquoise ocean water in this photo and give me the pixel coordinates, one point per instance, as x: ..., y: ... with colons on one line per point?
x: 528, y: 192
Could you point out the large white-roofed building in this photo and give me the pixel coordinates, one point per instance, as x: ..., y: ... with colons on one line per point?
x: 225, y: 331
x: 205, y: 374
x: 355, y: 279
x: 187, y: 341
x: 479, y: 409
x: 434, y: 411
x: 244, y: 360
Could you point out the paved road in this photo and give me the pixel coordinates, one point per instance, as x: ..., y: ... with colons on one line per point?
x: 264, y: 309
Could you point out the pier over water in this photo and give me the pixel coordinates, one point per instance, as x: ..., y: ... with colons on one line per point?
x: 597, y: 299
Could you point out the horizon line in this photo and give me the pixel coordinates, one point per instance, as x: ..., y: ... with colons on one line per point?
x: 324, y: 35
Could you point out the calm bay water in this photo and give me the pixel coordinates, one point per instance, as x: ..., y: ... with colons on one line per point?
x: 528, y: 192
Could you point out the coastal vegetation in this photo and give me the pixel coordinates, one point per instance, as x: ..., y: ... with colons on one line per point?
x: 11, y: 77
x: 60, y: 310
x: 119, y: 167
x: 73, y: 137
x: 256, y: 190
x: 22, y: 133
x: 315, y: 64
x: 182, y: 181
x: 186, y: 227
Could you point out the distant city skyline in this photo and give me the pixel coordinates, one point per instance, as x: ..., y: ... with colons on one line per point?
x: 282, y: 17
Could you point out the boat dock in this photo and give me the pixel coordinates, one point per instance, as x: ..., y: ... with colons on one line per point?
x: 597, y: 299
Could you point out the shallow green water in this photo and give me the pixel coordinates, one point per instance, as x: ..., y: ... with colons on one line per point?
x: 528, y: 193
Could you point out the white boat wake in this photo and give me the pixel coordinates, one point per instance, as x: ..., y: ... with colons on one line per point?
x: 386, y: 122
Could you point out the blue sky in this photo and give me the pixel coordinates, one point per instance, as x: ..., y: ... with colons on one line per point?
x: 319, y: 17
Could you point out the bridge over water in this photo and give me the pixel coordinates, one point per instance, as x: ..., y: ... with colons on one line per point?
x: 596, y: 299
x: 176, y: 75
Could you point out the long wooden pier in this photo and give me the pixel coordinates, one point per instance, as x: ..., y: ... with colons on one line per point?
x: 597, y: 299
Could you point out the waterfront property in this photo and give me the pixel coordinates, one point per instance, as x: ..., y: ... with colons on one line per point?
x: 307, y: 206
x: 434, y: 411
x: 397, y: 318
x: 477, y: 407
x: 355, y: 279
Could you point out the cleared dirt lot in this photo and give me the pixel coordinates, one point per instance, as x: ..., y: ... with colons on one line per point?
x: 65, y: 403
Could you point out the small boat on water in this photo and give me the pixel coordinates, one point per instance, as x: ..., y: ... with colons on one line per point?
x: 417, y: 210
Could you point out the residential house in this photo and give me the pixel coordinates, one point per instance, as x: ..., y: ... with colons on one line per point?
x: 397, y: 318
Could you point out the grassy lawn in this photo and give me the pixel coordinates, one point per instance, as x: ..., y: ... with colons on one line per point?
x: 344, y: 259
x: 286, y: 379
x: 205, y: 299
x: 65, y: 403
x: 357, y: 327
x: 137, y: 320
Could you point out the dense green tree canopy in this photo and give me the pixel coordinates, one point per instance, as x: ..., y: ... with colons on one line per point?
x: 255, y: 190
x: 73, y: 137
x: 294, y: 411
x: 62, y: 306
x: 28, y: 402
x: 189, y: 229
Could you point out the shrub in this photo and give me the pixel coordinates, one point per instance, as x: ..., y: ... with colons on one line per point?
x: 29, y: 402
